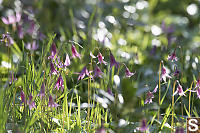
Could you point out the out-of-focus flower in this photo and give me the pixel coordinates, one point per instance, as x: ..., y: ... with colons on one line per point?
x: 128, y: 73
x: 75, y: 53
x: 31, y: 103
x: 109, y: 91
x: 67, y: 60
x: 20, y: 31
x: 164, y: 74
x: 198, y: 92
x: 41, y: 36
x: 198, y: 84
x: 22, y: 97
x: 113, y: 62
x: 101, y: 130
x: 51, y: 103
x: 59, y: 83
x: 7, y: 39
x: 12, y: 19
x: 100, y: 58
x: 177, y: 72
x: 31, y: 28
x: 42, y: 91
x: 98, y: 72
x: 179, y: 90
x: 143, y: 126
x: 53, y: 70
x: 83, y: 73
x: 53, y: 51
x: 59, y: 63
x: 173, y: 57
x: 167, y: 30
x: 179, y: 130
x: 153, y: 50
x: 155, y: 89
x: 149, y: 97
x: 197, y: 87
x: 92, y: 55
x: 32, y: 46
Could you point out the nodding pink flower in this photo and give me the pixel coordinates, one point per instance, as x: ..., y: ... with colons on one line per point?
x: 167, y: 30
x: 51, y: 103
x: 7, y: 39
x: 172, y: 57
x: 42, y: 91
x: 128, y: 73
x: 53, y: 70
x: 179, y: 130
x: 20, y: 31
x: 32, y: 46
x: 164, y: 74
x: 75, y: 53
x: 198, y: 84
x: 155, y: 89
x: 12, y: 78
x: 98, y: 72
x: 22, y: 97
x: 113, y: 61
x: 59, y: 63
x: 67, y: 60
x: 92, y: 55
x: 100, y: 58
x: 197, y: 87
x: 83, y: 73
x: 59, y: 83
x: 31, y: 27
x: 31, y: 103
x: 198, y: 92
x: 41, y: 36
x: 143, y: 126
x: 149, y: 97
x: 179, y: 90
x: 11, y: 19
x: 53, y: 51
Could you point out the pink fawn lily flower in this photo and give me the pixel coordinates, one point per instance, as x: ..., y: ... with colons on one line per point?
x: 12, y: 19
x: 155, y: 89
x: 51, y: 103
x: 198, y: 84
x: 179, y: 90
x: 100, y: 58
x: 67, y: 61
x: 31, y: 103
x: 7, y: 39
x: 149, y: 97
x: 83, y: 73
x: 32, y: 46
x: 128, y: 73
x: 172, y: 57
x: 75, y: 53
x: 20, y: 31
x: 59, y: 83
x: 53, y: 70
x: 164, y: 74
x: 92, y: 55
x: 53, y: 51
x: 143, y: 126
x: 42, y: 91
x: 113, y: 62
x: 22, y: 97
x: 198, y: 92
x: 98, y: 72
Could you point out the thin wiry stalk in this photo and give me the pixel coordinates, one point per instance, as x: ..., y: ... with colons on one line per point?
x: 190, y: 96
x: 159, y: 86
x: 172, y: 124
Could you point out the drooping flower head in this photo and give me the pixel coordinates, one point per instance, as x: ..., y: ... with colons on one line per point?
x: 83, y: 73
x: 198, y: 84
x: 113, y: 62
x: 31, y: 103
x: 7, y: 39
x: 98, y: 72
x: 127, y: 72
x: 22, y: 96
x: 179, y: 90
x: 155, y: 89
x: 100, y: 58
x: 42, y: 91
x: 67, y: 61
x: 164, y: 74
x: 198, y: 92
x: 12, y: 19
x: 177, y: 72
x: 53, y: 70
x: 172, y: 57
x: 51, y: 103
x: 75, y: 53
x: 59, y: 83
x: 92, y: 55
x: 149, y: 97
x: 32, y: 46
x: 143, y: 126
x: 53, y: 51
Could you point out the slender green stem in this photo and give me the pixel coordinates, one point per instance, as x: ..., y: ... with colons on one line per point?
x: 172, y: 124
x: 159, y: 86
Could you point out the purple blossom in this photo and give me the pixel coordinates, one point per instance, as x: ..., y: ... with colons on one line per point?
x: 51, y: 103
x: 128, y: 73
x: 92, y: 55
x: 177, y: 72
x: 22, y: 97
x: 31, y: 103
x: 83, y: 73
x: 75, y: 53
x: 179, y: 90
x: 109, y: 91
x: 31, y: 28
x: 41, y: 36
x: 198, y: 92
x: 53, y: 70
x: 198, y: 84
x: 20, y: 31
x: 167, y: 30
x: 164, y: 74
x: 7, y: 39
x: 100, y: 58
x: 59, y: 63
x: 113, y: 62
x: 53, y: 51
x: 143, y: 126
x: 155, y: 89
x: 32, y: 46
x: 197, y: 87
x: 42, y: 91
x: 101, y: 130
x: 98, y: 72
x: 12, y: 19
x: 59, y: 83
x: 172, y: 57
x: 153, y: 50
x: 149, y: 97
x: 67, y: 60
x: 179, y: 130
